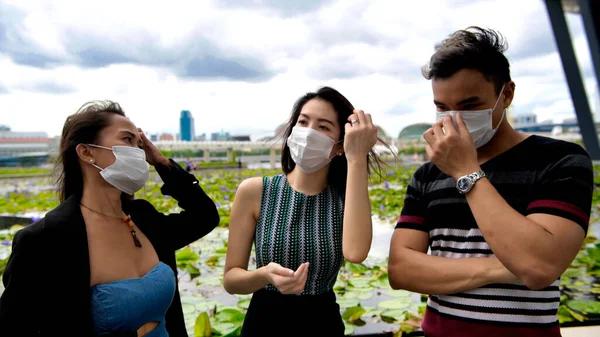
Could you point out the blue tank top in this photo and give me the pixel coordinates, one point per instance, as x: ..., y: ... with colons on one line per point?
x: 126, y: 305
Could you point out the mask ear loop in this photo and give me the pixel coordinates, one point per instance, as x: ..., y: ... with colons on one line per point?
x: 92, y: 160
x: 503, y: 111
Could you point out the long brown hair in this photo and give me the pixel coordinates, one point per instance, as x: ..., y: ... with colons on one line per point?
x: 81, y: 127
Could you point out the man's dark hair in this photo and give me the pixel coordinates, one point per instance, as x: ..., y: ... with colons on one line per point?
x: 472, y: 48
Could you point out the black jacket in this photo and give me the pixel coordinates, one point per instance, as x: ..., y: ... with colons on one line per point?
x: 47, y: 278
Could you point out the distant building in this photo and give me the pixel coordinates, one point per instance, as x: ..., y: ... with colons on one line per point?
x: 220, y: 136
x: 166, y: 137
x: 186, y: 126
x: 154, y: 137
x: 200, y: 138
x: 24, y: 148
x: 414, y: 131
x: 525, y: 118
x: 241, y: 138
x: 4, y: 128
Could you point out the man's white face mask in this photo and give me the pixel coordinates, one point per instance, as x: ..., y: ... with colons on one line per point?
x: 479, y: 122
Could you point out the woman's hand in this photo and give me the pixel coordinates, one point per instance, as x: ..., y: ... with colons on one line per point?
x: 286, y: 280
x: 361, y: 136
x: 153, y: 155
x: 146, y: 328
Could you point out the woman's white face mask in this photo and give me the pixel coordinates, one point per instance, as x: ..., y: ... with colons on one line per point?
x: 130, y: 171
x: 310, y: 149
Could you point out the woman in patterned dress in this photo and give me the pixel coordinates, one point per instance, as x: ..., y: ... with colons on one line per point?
x: 304, y: 222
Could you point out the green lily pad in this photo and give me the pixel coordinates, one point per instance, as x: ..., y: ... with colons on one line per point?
x: 365, y: 296
x: 394, y: 304
x: 360, y: 282
x: 347, y: 303
x: 244, y: 304
x: 398, y: 293
x: 397, y: 315
x: 349, y: 330
x: 202, y: 326
x: 207, y: 305
x: 188, y: 308
x: 353, y: 314
x: 586, y: 307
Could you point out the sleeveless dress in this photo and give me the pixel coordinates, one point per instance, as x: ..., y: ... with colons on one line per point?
x: 126, y: 305
x: 294, y: 228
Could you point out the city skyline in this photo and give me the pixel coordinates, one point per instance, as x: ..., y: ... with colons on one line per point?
x: 240, y: 68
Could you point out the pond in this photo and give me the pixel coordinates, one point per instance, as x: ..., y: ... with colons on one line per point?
x: 367, y: 302
x: 362, y: 290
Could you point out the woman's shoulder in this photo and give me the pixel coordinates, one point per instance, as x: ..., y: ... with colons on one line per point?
x: 255, y: 185
x: 250, y: 187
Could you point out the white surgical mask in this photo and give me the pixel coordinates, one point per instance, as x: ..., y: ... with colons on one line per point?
x: 130, y: 170
x: 479, y: 122
x: 310, y: 149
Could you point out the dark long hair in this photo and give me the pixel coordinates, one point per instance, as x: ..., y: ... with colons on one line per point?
x: 81, y: 127
x: 338, y: 170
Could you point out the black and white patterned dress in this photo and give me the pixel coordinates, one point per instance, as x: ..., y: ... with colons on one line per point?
x: 294, y: 228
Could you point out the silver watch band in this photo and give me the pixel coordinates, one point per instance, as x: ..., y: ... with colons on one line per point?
x: 476, y: 175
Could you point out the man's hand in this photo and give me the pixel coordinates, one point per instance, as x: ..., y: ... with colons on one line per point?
x: 451, y: 149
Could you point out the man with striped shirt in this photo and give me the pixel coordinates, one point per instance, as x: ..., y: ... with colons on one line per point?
x: 503, y: 213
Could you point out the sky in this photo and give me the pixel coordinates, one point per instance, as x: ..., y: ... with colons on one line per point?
x: 239, y: 65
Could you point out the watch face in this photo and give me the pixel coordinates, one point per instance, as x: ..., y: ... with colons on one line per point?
x: 463, y: 184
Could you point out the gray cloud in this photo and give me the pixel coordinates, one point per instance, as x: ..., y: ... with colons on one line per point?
x: 94, y: 57
x: 18, y: 47
x: 198, y: 58
x: 213, y: 67
x: 284, y: 8
x: 3, y: 90
x: 50, y: 88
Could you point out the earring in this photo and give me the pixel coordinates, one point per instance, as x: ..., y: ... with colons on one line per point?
x: 91, y: 160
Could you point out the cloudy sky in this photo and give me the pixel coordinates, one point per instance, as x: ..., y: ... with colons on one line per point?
x: 239, y: 65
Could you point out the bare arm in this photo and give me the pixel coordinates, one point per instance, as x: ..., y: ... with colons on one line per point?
x: 237, y: 278
x: 361, y: 136
x: 540, y: 247
x: 410, y: 267
x: 540, y: 244
x: 358, y: 227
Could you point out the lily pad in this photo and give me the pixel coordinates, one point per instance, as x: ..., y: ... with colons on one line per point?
x: 394, y: 304
x: 395, y: 315
x: 202, y: 326
x: 347, y: 303
x: 188, y: 308
x: 244, y: 304
x: 586, y: 307
x: 353, y: 314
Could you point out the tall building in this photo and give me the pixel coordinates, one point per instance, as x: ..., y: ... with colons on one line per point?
x: 186, y: 126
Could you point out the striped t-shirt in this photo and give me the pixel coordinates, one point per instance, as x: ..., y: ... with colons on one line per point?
x: 538, y: 175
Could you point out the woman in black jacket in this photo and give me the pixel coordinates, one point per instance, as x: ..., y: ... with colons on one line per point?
x: 102, y: 263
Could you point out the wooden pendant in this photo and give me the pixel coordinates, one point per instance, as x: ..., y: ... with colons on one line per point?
x: 129, y: 222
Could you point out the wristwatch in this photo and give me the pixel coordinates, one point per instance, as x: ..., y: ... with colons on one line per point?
x: 465, y: 183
